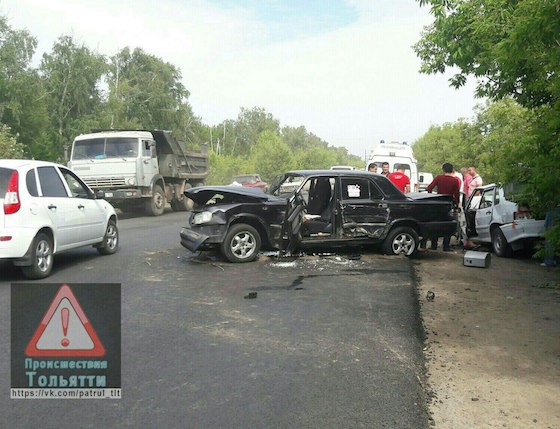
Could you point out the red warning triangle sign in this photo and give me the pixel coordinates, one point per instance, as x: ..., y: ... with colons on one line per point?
x: 65, y: 330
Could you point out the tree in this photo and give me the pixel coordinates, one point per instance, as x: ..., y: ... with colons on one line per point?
x: 9, y: 146
x: 250, y: 124
x: 22, y: 105
x: 511, y: 46
x: 146, y: 92
x: 271, y: 156
x: 71, y: 75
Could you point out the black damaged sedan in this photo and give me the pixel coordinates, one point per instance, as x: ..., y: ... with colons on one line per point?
x: 317, y: 209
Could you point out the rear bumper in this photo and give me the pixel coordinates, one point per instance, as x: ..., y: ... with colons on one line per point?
x: 523, y: 229
x: 15, y: 242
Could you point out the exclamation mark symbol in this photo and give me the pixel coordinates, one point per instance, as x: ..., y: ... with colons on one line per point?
x: 65, y: 314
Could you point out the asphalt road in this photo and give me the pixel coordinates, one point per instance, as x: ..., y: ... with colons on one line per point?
x: 330, y: 341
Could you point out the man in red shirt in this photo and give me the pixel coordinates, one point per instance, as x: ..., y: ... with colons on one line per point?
x: 400, y: 180
x: 447, y: 184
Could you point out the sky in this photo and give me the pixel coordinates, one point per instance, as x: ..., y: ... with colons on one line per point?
x: 344, y: 69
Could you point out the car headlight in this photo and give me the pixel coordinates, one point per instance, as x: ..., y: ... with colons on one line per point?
x: 202, y: 217
x: 131, y: 181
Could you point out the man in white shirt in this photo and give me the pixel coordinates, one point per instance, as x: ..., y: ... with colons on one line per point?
x: 476, y: 180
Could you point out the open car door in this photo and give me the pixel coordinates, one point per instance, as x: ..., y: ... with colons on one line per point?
x: 291, y: 229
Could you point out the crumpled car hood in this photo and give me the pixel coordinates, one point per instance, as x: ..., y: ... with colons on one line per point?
x: 228, y: 195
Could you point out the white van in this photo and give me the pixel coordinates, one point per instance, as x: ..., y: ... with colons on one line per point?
x: 424, y: 179
x: 396, y: 154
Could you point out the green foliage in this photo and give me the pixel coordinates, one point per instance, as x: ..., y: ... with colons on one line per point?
x: 71, y: 75
x: 271, y: 156
x: 511, y: 45
x: 9, y: 146
x: 512, y: 48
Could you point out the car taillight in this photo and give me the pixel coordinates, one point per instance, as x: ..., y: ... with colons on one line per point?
x: 522, y: 214
x: 11, y: 199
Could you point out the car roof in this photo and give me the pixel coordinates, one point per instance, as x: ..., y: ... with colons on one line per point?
x: 18, y: 163
x: 485, y: 187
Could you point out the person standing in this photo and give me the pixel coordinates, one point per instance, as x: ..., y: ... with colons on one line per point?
x: 385, y: 168
x: 400, y: 180
x: 475, y: 182
x: 372, y: 168
x: 446, y: 184
x: 466, y: 181
x: 459, y: 177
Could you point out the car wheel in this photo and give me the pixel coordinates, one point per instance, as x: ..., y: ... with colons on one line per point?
x: 401, y: 240
x: 242, y: 243
x: 156, y: 205
x: 500, y: 245
x: 42, y: 258
x: 110, y: 241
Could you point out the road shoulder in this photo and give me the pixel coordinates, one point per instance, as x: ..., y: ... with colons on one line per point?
x: 492, y: 341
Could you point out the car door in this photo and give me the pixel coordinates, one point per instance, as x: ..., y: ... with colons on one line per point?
x: 87, y: 212
x: 149, y: 165
x: 293, y: 220
x: 55, y: 201
x: 483, y: 216
x: 364, y: 212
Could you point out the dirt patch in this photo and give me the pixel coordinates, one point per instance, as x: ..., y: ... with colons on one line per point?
x: 492, y: 342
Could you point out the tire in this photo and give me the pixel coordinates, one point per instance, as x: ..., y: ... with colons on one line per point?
x: 401, y: 240
x: 42, y: 258
x: 110, y: 240
x: 500, y: 245
x: 242, y: 243
x: 156, y: 205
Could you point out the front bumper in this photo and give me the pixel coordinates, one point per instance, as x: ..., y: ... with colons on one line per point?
x: 202, y: 237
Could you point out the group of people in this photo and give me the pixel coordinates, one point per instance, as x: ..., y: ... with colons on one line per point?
x: 460, y: 185
x: 398, y: 177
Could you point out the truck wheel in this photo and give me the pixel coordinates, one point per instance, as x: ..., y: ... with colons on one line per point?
x: 500, y: 245
x: 156, y: 205
x: 110, y: 240
x: 42, y: 258
x: 182, y: 205
x: 401, y: 240
x: 242, y: 243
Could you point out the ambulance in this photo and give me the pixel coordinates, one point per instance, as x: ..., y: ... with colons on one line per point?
x: 396, y: 154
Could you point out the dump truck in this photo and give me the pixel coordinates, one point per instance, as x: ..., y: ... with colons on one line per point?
x: 139, y: 169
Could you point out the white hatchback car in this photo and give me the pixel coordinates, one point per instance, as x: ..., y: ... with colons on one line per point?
x: 47, y: 210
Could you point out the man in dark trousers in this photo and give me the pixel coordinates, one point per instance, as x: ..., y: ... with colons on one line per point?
x: 446, y: 184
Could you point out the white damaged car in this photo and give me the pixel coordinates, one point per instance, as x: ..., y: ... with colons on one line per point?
x: 490, y: 218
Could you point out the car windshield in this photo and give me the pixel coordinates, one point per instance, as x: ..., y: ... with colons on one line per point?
x: 284, y: 185
x: 99, y: 148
